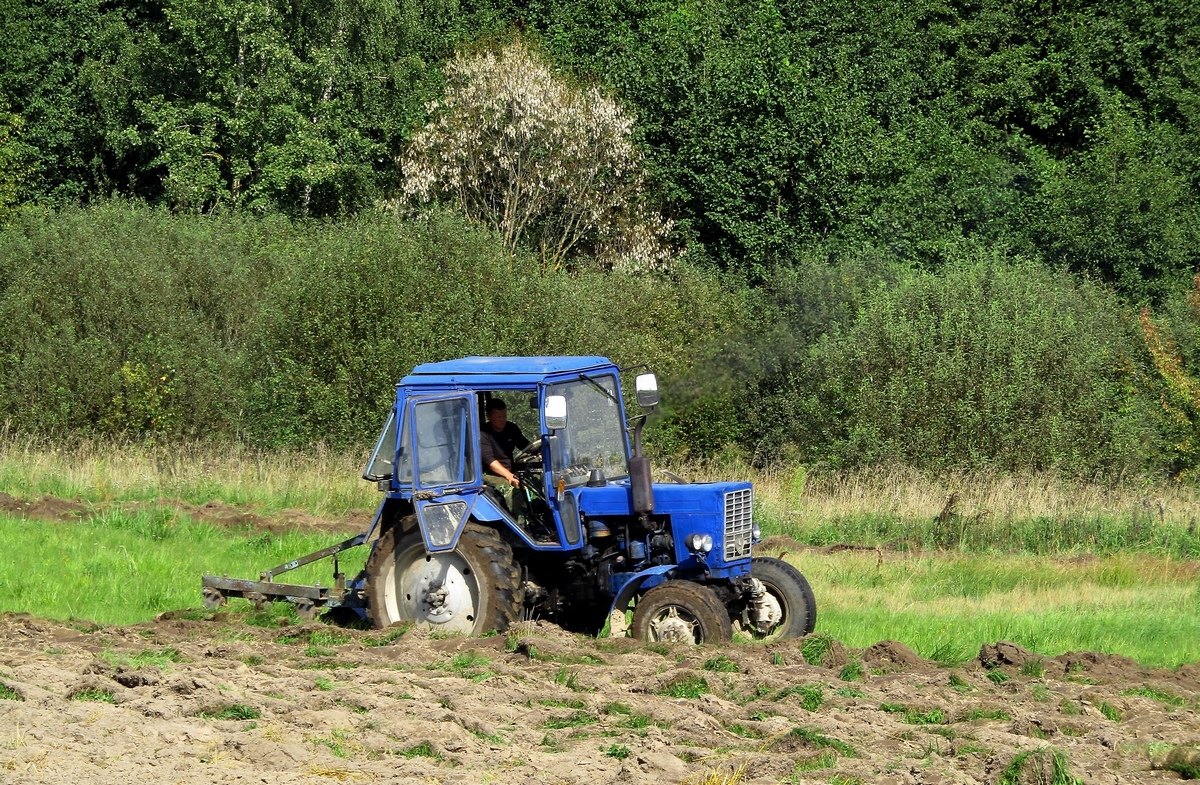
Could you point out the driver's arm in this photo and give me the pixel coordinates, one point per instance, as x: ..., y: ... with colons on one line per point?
x: 497, y: 468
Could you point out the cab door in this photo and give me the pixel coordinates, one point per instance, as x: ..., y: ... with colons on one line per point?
x: 439, y: 459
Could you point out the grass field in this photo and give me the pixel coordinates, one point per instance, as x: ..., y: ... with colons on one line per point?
x: 1051, y: 565
x: 122, y: 568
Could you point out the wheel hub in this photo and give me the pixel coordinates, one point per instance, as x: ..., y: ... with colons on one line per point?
x: 671, y: 627
x: 439, y: 589
x: 765, y: 611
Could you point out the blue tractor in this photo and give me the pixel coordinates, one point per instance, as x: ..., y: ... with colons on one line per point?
x: 586, y: 539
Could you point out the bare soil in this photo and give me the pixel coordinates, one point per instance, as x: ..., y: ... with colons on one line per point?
x: 217, y: 700
x: 196, y: 698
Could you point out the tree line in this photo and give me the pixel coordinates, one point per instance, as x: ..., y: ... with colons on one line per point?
x: 946, y: 234
x: 1065, y: 133
x: 128, y: 320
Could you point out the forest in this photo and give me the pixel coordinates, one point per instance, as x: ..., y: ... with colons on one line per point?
x: 946, y: 235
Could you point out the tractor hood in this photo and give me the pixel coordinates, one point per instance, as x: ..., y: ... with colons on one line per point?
x: 672, y: 499
x: 722, y: 510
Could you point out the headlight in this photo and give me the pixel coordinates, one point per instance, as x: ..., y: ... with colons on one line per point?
x: 706, y: 543
x: 695, y: 542
x: 756, y: 533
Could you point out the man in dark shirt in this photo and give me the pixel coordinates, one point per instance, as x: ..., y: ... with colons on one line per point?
x: 498, y: 439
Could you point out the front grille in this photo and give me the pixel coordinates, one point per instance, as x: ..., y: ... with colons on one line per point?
x: 739, y: 523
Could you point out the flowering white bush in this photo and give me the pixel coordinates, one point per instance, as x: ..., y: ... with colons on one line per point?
x: 544, y: 164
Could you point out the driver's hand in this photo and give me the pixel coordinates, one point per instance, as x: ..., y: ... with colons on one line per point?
x: 514, y: 481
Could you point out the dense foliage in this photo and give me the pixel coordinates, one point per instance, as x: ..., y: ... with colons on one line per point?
x: 125, y: 319
x: 1069, y: 133
x: 920, y: 233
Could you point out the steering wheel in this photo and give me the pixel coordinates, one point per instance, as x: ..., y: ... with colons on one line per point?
x: 530, y: 454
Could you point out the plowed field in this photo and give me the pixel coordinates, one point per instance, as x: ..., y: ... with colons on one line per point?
x: 217, y: 700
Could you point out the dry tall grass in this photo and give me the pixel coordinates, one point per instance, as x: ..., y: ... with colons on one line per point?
x: 321, y: 481
x: 324, y: 481
x: 1030, y: 511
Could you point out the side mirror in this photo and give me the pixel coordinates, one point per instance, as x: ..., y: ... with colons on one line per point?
x: 647, y: 390
x: 555, y: 413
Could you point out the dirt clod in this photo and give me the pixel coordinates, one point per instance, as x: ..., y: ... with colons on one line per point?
x: 892, y: 657
x: 1005, y: 653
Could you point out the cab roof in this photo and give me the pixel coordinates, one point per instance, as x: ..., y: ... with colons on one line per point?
x: 501, y: 370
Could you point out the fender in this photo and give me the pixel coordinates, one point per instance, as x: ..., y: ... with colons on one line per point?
x: 635, y: 582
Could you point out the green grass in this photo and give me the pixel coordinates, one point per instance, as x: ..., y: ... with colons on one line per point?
x: 422, y: 750
x: 158, y: 658
x: 818, y: 739
x: 811, y: 695
x: 234, y: 711
x: 986, y: 714
x: 948, y: 605
x: 914, y: 716
x: 9, y: 694
x: 126, y: 567
x: 1054, y: 771
x: 576, y: 719
x: 685, y: 687
x: 1135, y: 595
x: 825, y: 759
x: 1011, y: 512
x: 852, y: 671
x: 94, y: 696
x: 721, y: 664
x: 1162, y: 696
x: 816, y: 647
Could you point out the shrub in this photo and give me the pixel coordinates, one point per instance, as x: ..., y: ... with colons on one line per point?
x: 990, y: 363
x: 546, y: 165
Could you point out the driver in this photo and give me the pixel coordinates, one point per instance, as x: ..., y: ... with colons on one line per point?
x: 498, y: 439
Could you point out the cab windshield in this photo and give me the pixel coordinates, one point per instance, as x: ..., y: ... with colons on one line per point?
x: 594, y: 437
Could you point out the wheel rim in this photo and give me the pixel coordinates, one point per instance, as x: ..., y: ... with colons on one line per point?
x: 675, y: 624
x: 439, y: 589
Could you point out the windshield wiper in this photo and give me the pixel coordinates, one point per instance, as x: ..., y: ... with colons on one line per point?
x: 600, y: 387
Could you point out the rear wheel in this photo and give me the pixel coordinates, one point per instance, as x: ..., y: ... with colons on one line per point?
x: 681, y: 612
x: 786, y: 607
x: 473, y: 589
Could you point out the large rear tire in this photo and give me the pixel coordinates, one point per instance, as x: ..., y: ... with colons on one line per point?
x: 681, y: 612
x: 471, y: 590
x: 788, y: 595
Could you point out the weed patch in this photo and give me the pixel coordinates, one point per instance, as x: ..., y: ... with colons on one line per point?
x: 233, y: 711
x: 422, y: 750
x: 687, y: 686
x: 721, y: 664
x: 818, y: 739
x: 1162, y: 696
x: 986, y: 714
x: 914, y: 716
x: 574, y: 720
x: 1045, y: 765
x: 816, y: 647
x: 852, y: 671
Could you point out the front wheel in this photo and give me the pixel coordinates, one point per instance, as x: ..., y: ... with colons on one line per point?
x: 681, y: 612
x: 473, y: 589
x: 785, y: 606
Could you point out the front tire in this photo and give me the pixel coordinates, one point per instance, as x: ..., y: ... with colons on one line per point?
x: 788, y: 595
x: 471, y: 590
x: 681, y: 612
